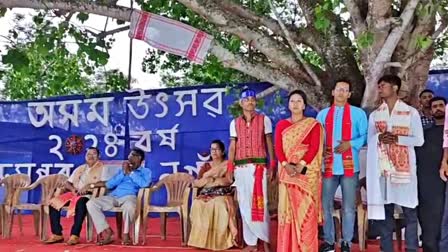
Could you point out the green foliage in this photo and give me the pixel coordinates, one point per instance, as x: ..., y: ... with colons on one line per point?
x: 423, y: 42
x: 365, y: 40
x: 42, y: 61
x: 313, y: 58
x: 2, y: 12
x: 321, y: 13
x: 82, y: 17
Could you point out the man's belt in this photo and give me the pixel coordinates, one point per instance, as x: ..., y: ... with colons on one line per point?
x: 251, y: 161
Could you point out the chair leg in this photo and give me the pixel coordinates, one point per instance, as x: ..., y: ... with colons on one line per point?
x: 36, y: 222
x: 43, y: 225
x: 186, y: 223
x: 119, y: 220
x: 2, y: 216
x: 89, y: 229
x: 19, y: 215
x: 144, y: 224
x: 361, y: 228
x: 10, y: 224
x: 5, y: 222
x: 338, y: 226
x: 2, y: 219
x: 163, y: 225
x: 137, y: 224
x: 182, y: 231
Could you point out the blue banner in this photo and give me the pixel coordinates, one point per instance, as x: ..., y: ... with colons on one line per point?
x: 173, y: 126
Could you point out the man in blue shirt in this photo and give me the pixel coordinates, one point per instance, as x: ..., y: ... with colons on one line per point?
x: 345, y: 134
x: 125, y: 186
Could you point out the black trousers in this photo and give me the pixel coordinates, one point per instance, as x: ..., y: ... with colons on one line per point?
x: 430, y: 211
x: 80, y: 214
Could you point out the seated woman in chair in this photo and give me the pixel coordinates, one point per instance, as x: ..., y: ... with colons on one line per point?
x: 213, y: 205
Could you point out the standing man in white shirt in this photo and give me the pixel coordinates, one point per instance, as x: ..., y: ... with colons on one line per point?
x: 395, y: 128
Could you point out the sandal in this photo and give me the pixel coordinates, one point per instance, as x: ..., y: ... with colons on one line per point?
x: 106, y: 241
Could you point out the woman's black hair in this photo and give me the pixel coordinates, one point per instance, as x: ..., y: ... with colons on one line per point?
x: 299, y: 92
x: 221, y: 146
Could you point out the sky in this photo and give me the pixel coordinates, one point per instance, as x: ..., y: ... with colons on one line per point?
x: 119, y: 54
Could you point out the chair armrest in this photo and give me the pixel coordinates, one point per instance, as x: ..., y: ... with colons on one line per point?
x: 140, y: 200
x: 20, y: 190
x: 147, y: 192
x: 99, y: 191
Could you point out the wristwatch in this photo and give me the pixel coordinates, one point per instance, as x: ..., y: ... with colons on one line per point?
x: 92, y: 186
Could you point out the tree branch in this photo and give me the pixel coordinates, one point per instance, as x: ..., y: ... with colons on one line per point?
x: 262, y: 72
x: 394, y: 37
x: 267, y: 92
x: 294, y: 47
x: 104, y: 34
x: 386, y: 24
x: 297, y: 34
x: 118, y: 12
x: 358, y: 23
x: 385, y: 54
x: 238, y: 26
x: 442, y: 27
x: 237, y: 62
x: 392, y: 64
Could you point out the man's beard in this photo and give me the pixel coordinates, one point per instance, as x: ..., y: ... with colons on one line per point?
x: 439, y: 116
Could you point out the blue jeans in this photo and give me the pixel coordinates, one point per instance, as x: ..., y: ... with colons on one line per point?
x: 388, y: 225
x: 349, y: 186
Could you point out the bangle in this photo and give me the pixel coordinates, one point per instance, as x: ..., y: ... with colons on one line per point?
x: 284, y: 163
x: 302, y: 163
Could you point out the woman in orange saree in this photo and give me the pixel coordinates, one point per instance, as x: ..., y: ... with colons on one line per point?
x: 299, y: 146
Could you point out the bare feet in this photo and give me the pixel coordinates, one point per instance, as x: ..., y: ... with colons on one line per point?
x: 267, y: 247
x: 126, y: 240
x: 250, y: 249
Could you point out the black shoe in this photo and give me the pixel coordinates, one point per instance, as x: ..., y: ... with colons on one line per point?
x: 326, y: 247
x: 345, y: 247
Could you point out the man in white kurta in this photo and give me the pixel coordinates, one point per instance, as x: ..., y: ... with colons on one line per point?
x: 394, y: 130
x: 250, y: 137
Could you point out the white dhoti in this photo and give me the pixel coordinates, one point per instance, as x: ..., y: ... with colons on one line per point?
x: 244, y: 181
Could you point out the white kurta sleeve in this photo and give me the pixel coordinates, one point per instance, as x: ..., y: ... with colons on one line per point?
x: 232, y: 129
x: 417, y: 138
x: 267, y: 125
